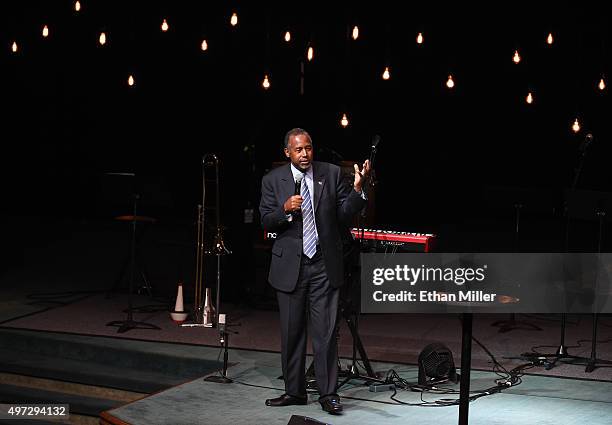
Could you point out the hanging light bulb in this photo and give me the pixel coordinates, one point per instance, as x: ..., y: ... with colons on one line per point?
x: 77, y: 6
x: 102, y: 39
x: 287, y: 36
x: 529, y: 98
x: 130, y: 80
x: 344, y: 122
x: 164, y: 26
x: 45, y: 31
x: 266, y: 82
x: 549, y: 39
x: 234, y: 19
x: 450, y: 83
x: 386, y: 75
x: 602, y: 84
x: 420, y: 38
x: 516, y: 58
x: 204, y: 45
x: 576, y: 126
x: 310, y: 54
x: 355, y: 34
x: 14, y: 47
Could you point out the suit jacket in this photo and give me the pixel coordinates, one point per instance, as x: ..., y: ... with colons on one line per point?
x: 334, y: 204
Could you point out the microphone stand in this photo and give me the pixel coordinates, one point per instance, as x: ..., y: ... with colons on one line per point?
x: 348, y: 313
x: 351, y: 317
x: 562, y: 352
x: 593, y: 361
x: 223, y: 340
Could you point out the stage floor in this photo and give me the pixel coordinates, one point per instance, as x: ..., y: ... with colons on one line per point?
x: 395, y: 338
x: 61, y: 288
x: 537, y: 400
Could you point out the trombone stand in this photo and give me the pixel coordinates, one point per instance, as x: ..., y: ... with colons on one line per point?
x: 219, y: 250
x: 130, y: 323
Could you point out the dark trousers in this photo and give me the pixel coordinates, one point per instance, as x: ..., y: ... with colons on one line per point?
x: 313, y: 291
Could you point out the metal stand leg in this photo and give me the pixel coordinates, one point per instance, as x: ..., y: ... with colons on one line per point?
x: 466, y: 365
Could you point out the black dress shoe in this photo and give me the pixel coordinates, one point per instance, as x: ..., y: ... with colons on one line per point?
x: 286, y: 400
x: 332, y: 405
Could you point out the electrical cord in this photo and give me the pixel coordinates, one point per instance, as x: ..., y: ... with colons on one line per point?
x: 506, y: 379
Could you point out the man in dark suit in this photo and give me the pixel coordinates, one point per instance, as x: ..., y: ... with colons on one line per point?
x: 306, y: 204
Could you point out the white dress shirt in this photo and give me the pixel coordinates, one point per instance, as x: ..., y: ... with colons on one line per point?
x: 308, y: 175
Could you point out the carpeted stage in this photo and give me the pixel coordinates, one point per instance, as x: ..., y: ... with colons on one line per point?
x: 538, y: 400
x: 391, y: 338
x: 563, y: 395
x: 53, y: 315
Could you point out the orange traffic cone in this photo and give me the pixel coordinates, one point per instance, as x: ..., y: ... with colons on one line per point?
x: 179, y: 315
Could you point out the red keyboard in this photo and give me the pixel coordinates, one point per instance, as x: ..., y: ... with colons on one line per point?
x: 392, y: 237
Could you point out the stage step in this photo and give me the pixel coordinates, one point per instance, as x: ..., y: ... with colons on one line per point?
x: 171, y: 359
x: 92, y: 374
x: 86, y: 372
x: 79, y: 404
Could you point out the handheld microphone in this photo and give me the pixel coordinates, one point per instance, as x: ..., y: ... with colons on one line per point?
x: 375, y: 142
x: 298, y: 191
x: 298, y: 184
x: 209, y: 159
x: 588, y: 139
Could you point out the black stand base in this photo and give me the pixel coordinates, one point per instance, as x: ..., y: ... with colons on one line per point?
x: 126, y: 325
x: 218, y: 379
x: 222, y: 379
x: 153, y: 308
x: 512, y: 323
x: 591, y: 363
x: 352, y: 373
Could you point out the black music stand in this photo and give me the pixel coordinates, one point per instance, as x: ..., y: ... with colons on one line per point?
x: 125, y: 268
x: 118, y: 190
x: 522, y: 200
x: 568, y: 212
x: 586, y: 205
x: 129, y: 323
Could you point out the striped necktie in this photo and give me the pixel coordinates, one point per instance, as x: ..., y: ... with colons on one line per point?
x: 309, y: 231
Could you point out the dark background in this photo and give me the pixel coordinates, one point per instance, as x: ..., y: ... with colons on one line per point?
x: 449, y: 161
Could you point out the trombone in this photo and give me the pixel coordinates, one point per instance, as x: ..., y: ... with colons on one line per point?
x: 203, y: 307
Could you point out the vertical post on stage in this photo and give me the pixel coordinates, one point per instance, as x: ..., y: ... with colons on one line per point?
x: 466, y: 360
